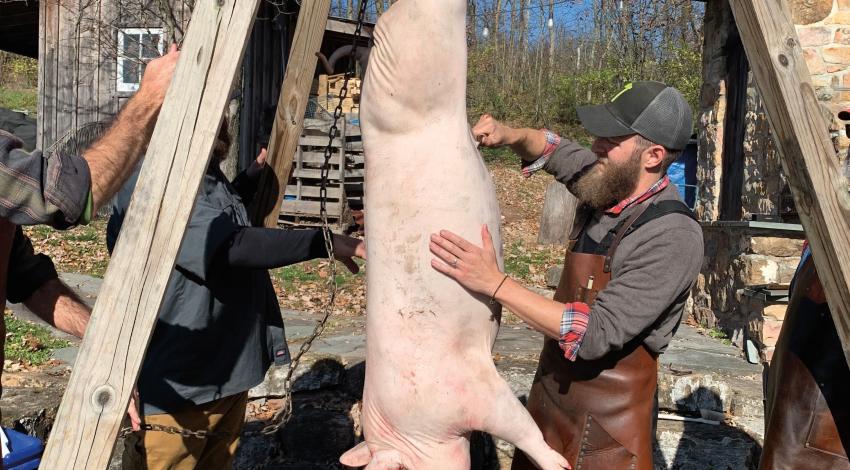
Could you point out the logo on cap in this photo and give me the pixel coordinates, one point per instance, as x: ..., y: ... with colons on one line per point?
x: 627, y: 88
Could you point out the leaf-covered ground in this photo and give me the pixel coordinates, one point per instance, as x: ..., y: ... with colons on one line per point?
x: 304, y: 286
x: 28, y: 344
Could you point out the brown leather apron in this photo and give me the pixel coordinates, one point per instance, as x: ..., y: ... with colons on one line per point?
x: 807, y: 413
x: 7, y: 236
x: 598, y: 414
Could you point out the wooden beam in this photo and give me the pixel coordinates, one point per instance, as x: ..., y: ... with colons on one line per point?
x: 109, y: 360
x: 338, y: 25
x: 291, y: 105
x: 808, y: 157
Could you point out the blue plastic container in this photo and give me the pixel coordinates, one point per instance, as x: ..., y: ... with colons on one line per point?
x: 24, y: 451
x: 683, y: 173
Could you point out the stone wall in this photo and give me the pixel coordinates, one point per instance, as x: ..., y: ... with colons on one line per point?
x: 823, y: 27
x: 735, y: 256
x: 712, y: 113
x: 738, y: 256
x: 763, y: 180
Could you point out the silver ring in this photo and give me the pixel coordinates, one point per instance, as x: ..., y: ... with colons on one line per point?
x: 453, y: 264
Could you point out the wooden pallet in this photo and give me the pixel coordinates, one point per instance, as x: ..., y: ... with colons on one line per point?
x: 301, y: 204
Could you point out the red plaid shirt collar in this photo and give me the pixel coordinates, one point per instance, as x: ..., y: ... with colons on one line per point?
x: 654, y: 189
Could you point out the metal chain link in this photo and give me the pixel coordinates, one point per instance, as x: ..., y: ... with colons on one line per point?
x: 201, y: 434
x: 285, y: 413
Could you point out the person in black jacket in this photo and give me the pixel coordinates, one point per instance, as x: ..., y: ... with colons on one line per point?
x: 219, y: 327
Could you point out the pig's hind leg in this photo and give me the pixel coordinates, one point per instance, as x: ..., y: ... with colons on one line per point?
x: 506, y: 418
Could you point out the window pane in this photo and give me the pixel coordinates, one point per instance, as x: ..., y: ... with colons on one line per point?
x: 131, y: 46
x: 150, y: 45
x: 131, y: 71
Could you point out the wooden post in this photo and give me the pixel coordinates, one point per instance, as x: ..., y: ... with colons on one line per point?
x: 559, y: 211
x: 808, y: 157
x: 289, y: 118
x: 105, y: 372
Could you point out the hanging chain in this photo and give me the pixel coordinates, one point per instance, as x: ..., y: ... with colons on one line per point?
x: 285, y: 413
x: 200, y: 434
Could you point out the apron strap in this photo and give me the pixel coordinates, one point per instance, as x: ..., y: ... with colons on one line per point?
x: 639, y: 210
x: 580, y: 221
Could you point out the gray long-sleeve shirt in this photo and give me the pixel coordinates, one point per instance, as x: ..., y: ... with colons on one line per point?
x: 652, y: 271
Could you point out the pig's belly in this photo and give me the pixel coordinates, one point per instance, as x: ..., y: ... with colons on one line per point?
x: 429, y: 339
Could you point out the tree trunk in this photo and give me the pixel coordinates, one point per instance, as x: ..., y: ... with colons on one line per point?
x: 559, y: 210
x: 471, y: 24
x: 523, y: 39
x: 551, y: 40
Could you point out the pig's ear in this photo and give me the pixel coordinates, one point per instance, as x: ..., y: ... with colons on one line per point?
x: 357, y: 456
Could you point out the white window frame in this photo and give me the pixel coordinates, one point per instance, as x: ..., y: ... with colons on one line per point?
x: 121, y: 85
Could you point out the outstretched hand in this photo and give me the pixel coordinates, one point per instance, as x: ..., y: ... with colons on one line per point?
x: 346, y: 249
x: 475, y: 268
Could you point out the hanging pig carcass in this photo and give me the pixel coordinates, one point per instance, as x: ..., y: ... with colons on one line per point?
x: 430, y: 378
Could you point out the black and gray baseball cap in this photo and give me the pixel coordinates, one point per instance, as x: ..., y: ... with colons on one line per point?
x: 652, y: 109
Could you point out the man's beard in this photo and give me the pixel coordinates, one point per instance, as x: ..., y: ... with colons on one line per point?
x: 602, y: 187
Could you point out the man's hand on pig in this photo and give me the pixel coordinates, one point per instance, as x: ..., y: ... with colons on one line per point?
x: 491, y: 133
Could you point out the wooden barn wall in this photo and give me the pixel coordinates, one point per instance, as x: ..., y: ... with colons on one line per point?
x: 78, y: 52
x: 75, y: 70
x: 78, y: 60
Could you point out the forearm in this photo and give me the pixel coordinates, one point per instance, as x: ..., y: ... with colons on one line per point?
x: 268, y: 248
x: 529, y: 144
x: 55, y: 303
x: 112, y: 158
x: 541, y: 313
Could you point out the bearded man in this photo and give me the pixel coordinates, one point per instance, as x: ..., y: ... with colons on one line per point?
x: 634, y: 253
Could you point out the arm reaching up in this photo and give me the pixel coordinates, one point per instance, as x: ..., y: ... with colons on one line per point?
x: 529, y: 144
x: 112, y: 158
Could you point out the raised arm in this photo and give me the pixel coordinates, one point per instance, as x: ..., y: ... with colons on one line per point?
x: 112, y: 158
x: 529, y: 144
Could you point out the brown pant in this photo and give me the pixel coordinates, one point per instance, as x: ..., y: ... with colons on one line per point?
x: 155, y: 450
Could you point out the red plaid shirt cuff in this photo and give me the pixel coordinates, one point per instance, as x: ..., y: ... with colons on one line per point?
x: 573, y: 326
x: 552, y: 142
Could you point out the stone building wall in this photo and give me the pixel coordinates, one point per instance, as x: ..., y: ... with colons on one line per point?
x: 763, y: 180
x: 718, y: 24
x: 823, y: 27
x: 735, y: 256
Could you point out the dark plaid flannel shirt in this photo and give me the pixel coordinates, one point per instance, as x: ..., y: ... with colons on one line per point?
x: 39, y: 189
